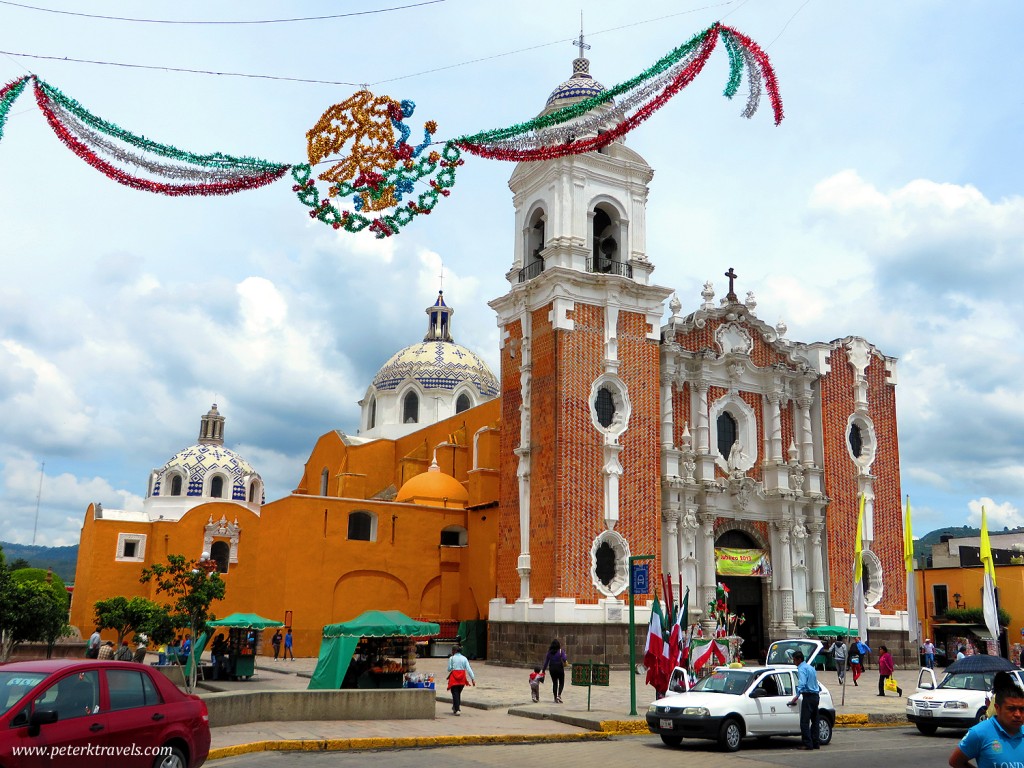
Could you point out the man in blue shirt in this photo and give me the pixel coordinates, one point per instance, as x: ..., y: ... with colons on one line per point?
x: 807, y: 691
x: 997, y: 741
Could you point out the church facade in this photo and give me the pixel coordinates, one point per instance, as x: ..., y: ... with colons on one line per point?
x: 610, y: 433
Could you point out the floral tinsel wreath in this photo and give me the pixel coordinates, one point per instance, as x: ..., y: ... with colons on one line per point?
x: 376, y: 169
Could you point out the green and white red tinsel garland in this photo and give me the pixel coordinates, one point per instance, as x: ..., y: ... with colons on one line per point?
x: 555, y: 134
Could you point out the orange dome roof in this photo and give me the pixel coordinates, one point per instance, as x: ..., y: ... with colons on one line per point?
x: 434, y: 488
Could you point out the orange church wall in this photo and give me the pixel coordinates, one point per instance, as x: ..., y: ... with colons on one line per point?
x: 841, y: 481
x: 544, y: 481
x: 508, y: 512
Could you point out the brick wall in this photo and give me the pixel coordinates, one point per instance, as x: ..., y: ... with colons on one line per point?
x: 516, y: 644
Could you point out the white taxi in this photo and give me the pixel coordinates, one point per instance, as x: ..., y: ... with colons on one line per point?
x: 959, y: 701
x: 731, y: 704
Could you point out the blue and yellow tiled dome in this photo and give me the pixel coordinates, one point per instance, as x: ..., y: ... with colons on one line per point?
x: 580, y: 86
x: 437, y: 365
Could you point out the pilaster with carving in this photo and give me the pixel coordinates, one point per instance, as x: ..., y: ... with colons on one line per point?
x: 817, y: 573
x: 707, y: 591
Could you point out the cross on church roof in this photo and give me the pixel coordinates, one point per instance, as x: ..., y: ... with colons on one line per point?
x: 579, y: 41
x: 731, y: 274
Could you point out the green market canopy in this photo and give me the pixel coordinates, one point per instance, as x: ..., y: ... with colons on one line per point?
x: 340, y: 641
x: 832, y: 631
x: 245, y: 621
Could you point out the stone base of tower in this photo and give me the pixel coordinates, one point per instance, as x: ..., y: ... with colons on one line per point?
x: 524, y: 644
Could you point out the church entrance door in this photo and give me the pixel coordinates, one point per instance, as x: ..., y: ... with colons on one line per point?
x: 746, y: 599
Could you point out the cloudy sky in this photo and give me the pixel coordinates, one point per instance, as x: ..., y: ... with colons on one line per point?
x: 887, y: 205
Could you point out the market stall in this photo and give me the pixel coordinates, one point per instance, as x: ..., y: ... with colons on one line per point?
x: 377, y: 649
x: 243, y: 642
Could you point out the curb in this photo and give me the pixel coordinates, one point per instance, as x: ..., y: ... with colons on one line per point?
x: 411, y: 742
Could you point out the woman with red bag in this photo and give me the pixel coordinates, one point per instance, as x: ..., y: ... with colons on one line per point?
x: 460, y: 674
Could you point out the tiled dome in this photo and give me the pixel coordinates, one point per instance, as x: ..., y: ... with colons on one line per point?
x: 581, y: 85
x: 437, y: 365
x: 197, y: 461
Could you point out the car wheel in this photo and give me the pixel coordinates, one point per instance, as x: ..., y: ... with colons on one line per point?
x: 928, y: 729
x: 671, y: 741
x: 824, y: 729
x: 982, y: 715
x: 730, y: 736
x: 173, y: 759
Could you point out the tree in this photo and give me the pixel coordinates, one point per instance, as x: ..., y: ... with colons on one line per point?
x: 18, y: 564
x: 191, y: 586
x: 8, y: 609
x: 124, y: 615
x: 35, y: 612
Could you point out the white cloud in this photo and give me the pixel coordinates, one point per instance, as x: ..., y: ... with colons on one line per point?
x: 999, y: 515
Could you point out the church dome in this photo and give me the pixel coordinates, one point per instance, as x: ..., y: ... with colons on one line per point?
x: 580, y: 85
x: 434, y: 488
x: 437, y: 365
x: 208, y: 470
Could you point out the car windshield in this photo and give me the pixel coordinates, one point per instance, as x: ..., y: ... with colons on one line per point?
x: 781, y: 652
x: 14, y: 685
x: 734, y: 681
x: 968, y: 681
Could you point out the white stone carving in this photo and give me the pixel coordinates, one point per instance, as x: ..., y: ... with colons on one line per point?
x: 733, y: 338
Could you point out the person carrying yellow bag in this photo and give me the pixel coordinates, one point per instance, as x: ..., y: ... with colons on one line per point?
x: 886, y: 681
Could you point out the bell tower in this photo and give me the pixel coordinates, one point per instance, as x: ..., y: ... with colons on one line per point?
x: 580, y: 489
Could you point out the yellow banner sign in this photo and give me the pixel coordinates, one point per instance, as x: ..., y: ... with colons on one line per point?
x: 742, y: 562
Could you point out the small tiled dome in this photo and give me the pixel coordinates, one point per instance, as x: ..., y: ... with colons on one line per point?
x: 437, y: 365
x: 580, y: 86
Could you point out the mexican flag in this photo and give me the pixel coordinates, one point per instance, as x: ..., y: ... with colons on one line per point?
x: 655, y: 649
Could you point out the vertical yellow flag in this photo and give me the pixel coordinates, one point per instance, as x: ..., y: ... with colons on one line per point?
x: 908, y: 560
x: 988, y: 596
x: 858, y: 570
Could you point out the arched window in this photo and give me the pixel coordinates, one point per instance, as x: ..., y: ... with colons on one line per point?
x: 604, y: 567
x: 362, y: 526
x: 371, y: 416
x: 736, y: 539
x: 463, y: 403
x: 255, y: 494
x: 606, y: 242
x: 454, y: 536
x: 727, y: 433
x: 219, y: 553
x: 324, y: 477
x: 217, y: 487
x: 411, y: 408
x: 176, y: 485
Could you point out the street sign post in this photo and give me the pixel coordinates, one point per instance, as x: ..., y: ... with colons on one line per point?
x: 633, y: 569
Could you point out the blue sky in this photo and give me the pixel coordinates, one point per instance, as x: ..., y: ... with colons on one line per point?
x: 887, y: 205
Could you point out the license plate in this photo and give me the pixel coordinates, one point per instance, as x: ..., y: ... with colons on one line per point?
x: 667, y: 724
x: 924, y: 713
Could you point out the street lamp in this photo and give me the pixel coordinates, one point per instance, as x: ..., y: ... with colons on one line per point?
x: 956, y: 599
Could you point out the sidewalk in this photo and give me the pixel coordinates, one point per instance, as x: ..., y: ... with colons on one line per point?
x: 497, y: 709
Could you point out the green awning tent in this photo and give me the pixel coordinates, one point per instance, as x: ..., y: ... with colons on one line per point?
x: 340, y: 641
x: 832, y: 631
x: 245, y: 621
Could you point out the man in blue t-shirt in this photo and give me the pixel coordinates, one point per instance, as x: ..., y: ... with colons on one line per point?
x: 997, y: 741
x: 808, y: 691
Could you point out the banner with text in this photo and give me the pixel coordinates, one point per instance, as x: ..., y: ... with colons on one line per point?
x: 742, y: 562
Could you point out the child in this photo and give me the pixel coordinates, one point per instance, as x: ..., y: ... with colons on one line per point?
x: 536, y: 678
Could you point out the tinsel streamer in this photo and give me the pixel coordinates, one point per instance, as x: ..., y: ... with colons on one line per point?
x: 554, y: 135
x: 8, y: 95
x: 684, y: 78
x: 251, y: 181
x: 216, y: 159
x: 771, y: 84
x: 110, y: 148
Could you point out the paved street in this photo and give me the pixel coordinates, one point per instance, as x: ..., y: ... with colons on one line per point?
x: 850, y: 748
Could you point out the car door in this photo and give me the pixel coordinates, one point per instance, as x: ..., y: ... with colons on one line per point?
x: 770, y: 697
x: 81, y: 727
x: 136, y: 716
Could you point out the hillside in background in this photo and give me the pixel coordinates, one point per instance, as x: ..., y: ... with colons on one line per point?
x: 61, y: 559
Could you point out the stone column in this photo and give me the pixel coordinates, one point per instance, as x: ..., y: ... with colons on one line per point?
x: 701, y: 417
x: 708, y: 581
x: 803, y: 405
x: 670, y: 551
x: 817, y: 573
x: 775, y: 426
x: 688, y: 551
x: 784, y: 575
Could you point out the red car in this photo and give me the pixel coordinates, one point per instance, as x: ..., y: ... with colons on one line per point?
x: 85, y: 713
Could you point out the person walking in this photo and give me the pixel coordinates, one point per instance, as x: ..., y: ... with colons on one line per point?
x: 885, y: 670
x: 276, y: 642
x: 809, y: 693
x: 929, y: 653
x: 996, y: 741
x: 288, y: 641
x: 554, y: 662
x: 839, y: 657
x: 92, y: 650
x: 857, y: 657
x: 460, y: 674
